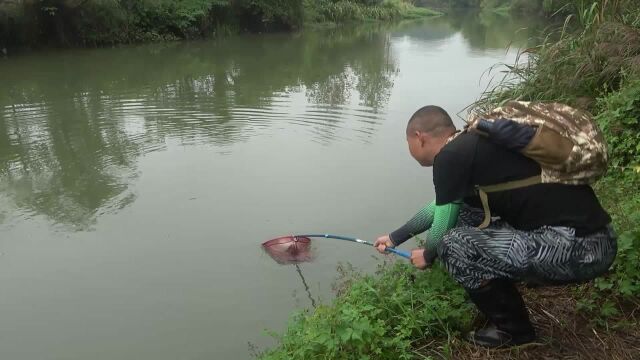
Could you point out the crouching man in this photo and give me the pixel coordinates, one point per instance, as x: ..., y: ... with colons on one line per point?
x: 547, y: 234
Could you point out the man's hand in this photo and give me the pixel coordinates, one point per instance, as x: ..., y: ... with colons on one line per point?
x: 417, y: 258
x: 382, y: 243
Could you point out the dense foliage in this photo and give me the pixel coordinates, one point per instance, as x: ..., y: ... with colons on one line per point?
x: 99, y: 22
x: 95, y: 22
x: 379, y: 317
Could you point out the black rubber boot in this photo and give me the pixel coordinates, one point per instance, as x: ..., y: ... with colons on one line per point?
x: 503, y: 306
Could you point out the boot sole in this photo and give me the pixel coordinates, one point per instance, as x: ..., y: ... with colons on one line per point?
x: 493, y: 345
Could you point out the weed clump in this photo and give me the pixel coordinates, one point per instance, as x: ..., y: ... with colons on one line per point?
x: 379, y: 317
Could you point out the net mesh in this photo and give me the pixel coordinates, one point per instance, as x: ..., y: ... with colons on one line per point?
x: 289, y: 249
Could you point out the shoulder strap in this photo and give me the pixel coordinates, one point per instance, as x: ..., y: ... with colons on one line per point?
x: 510, y: 185
x: 454, y: 135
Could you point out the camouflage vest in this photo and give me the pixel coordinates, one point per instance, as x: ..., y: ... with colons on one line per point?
x: 565, y: 141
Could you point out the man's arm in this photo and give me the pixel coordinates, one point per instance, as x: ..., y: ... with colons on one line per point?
x: 418, y: 224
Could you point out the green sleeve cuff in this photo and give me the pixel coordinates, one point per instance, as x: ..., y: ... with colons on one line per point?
x: 445, y: 218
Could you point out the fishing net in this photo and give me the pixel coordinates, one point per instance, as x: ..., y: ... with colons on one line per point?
x: 289, y: 249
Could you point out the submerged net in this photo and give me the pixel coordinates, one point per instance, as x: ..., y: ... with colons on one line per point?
x: 289, y: 249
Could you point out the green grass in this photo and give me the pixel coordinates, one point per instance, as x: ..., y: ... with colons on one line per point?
x: 378, y: 317
x: 418, y: 12
x: 346, y: 11
x: 610, y: 300
x: 503, y: 10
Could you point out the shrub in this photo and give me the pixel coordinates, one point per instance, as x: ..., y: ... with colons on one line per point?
x: 620, y: 120
x: 378, y: 317
x: 615, y: 294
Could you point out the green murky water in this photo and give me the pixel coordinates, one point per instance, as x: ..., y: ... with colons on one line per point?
x: 137, y: 183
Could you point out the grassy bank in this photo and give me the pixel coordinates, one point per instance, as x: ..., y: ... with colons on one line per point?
x: 29, y: 23
x: 341, y: 11
x: 378, y: 317
x: 401, y: 313
x: 549, y: 8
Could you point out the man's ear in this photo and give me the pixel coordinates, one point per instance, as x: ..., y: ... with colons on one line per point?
x: 423, y: 138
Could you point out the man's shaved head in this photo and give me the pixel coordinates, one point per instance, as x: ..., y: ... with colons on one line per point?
x: 430, y: 119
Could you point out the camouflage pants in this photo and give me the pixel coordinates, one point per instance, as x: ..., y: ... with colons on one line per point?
x: 550, y: 255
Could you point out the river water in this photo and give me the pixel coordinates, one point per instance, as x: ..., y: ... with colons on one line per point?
x: 137, y: 183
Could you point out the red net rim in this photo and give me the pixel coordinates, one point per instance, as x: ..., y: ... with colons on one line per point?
x: 285, y: 240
